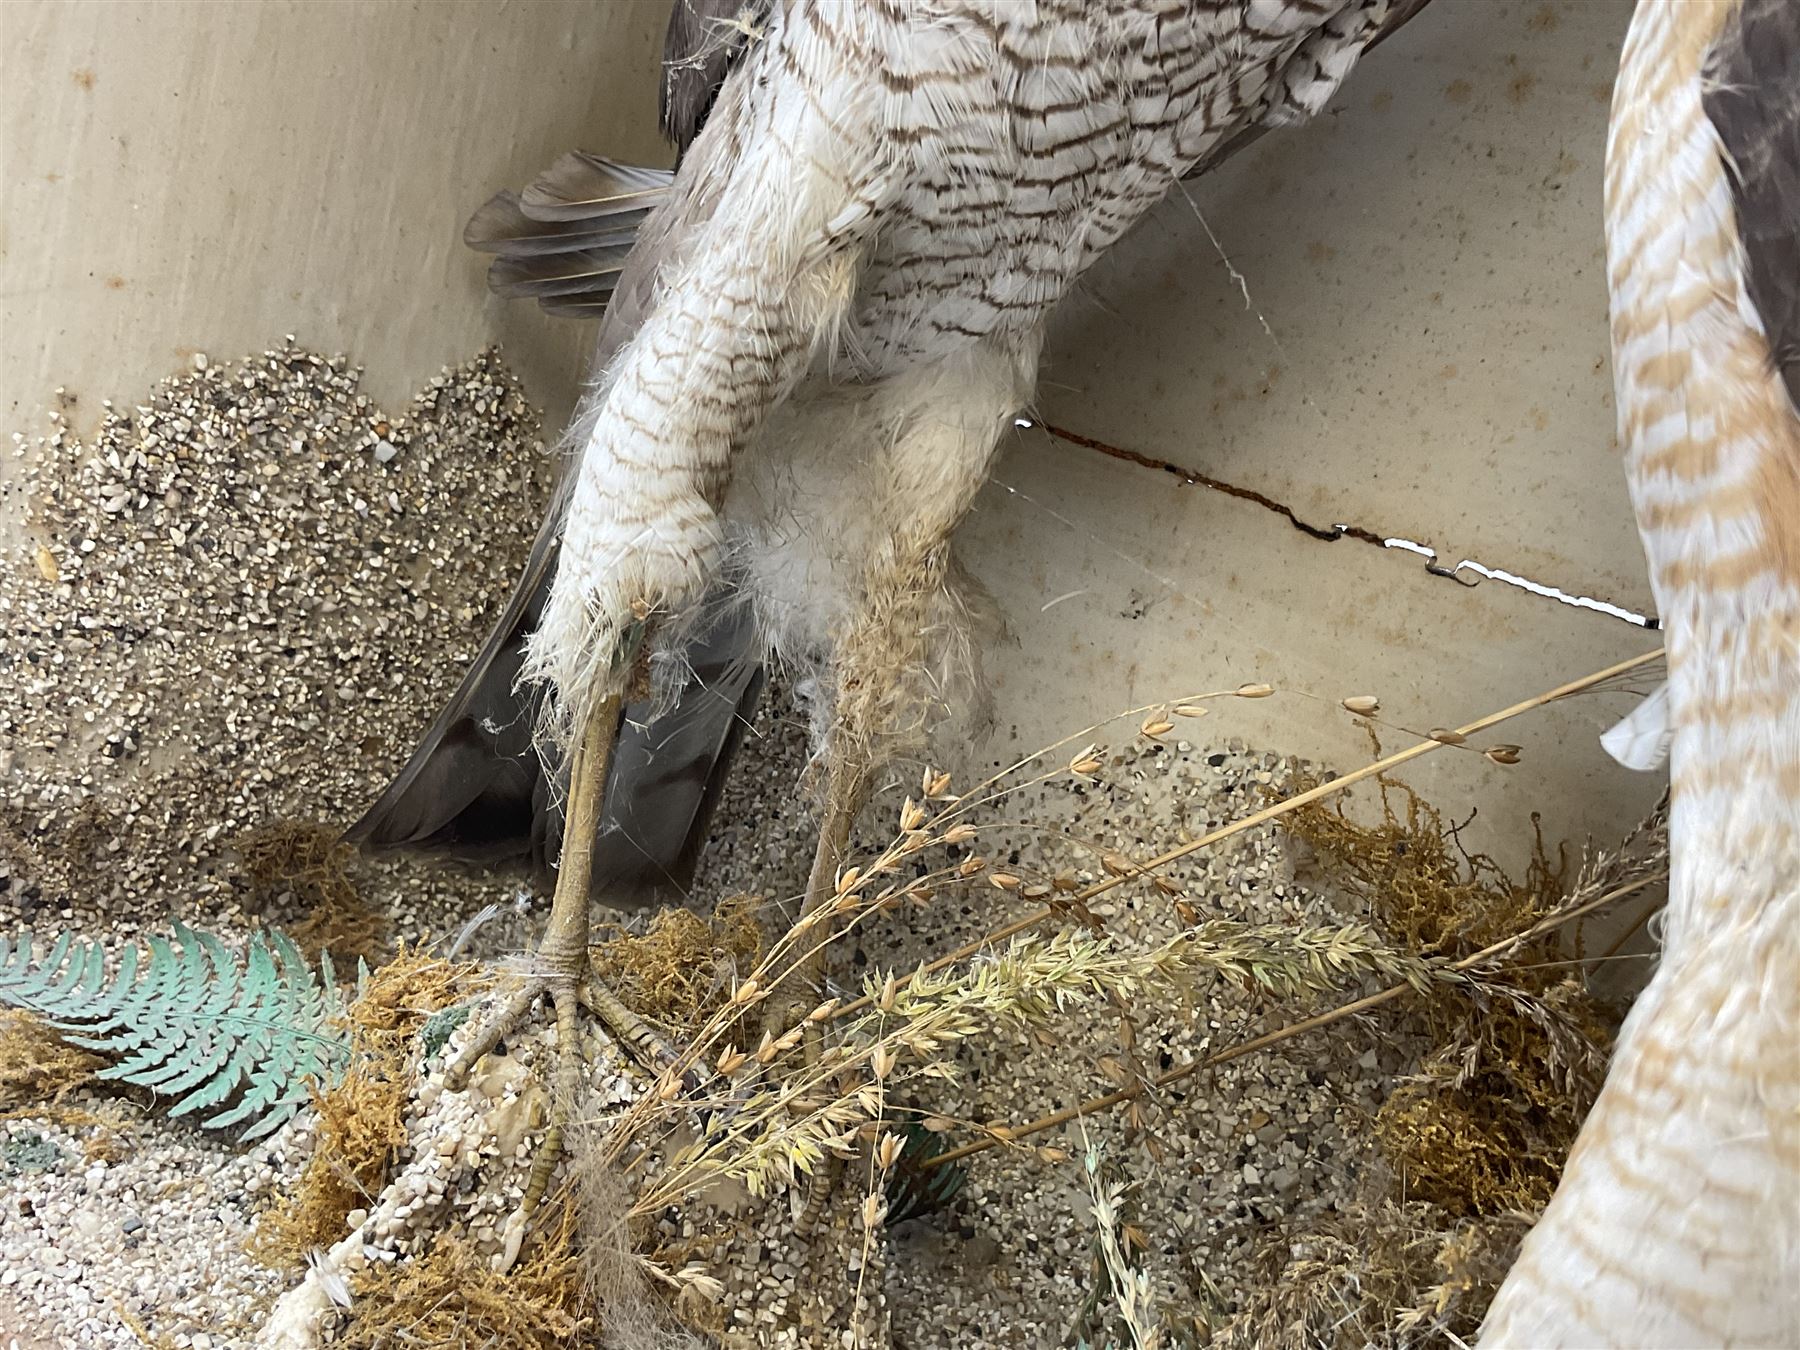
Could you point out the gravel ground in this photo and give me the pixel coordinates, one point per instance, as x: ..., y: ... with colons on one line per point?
x: 1227, y: 1155
x: 1252, y: 1145
x: 240, y: 602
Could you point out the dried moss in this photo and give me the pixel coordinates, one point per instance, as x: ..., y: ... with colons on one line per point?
x: 1423, y: 888
x: 683, y: 968
x: 1477, y: 1138
x: 306, y: 866
x: 38, y: 1067
x: 1380, y: 1273
x: 1486, y: 1126
x: 361, y: 1125
x: 1484, y: 1129
x: 450, y: 1295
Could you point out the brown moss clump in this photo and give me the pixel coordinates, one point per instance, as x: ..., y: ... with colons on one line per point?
x: 1484, y: 1129
x: 450, y: 1295
x: 37, y: 1066
x: 1422, y: 886
x: 308, y: 865
x: 681, y: 970
x: 38, y: 1069
x: 1479, y: 1135
x: 361, y: 1127
x: 1486, y: 1126
x: 1380, y: 1273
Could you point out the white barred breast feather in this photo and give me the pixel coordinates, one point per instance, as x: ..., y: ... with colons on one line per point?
x: 887, y: 191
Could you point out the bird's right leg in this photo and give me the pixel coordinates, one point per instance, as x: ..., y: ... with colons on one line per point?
x: 560, y: 966
x: 739, y: 310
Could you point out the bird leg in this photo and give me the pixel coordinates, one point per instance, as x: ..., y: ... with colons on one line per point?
x: 803, y: 988
x: 846, y: 788
x: 561, y: 968
x: 951, y: 416
x: 875, y: 658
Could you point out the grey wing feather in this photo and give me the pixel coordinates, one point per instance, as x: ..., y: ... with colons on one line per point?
x: 580, y: 186
x: 591, y: 271
x: 1752, y: 97
x: 568, y: 237
x: 501, y: 226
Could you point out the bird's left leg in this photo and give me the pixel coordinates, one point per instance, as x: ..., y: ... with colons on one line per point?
x: 875, y: 661
x: 941, y: 423
x: 945, y: 422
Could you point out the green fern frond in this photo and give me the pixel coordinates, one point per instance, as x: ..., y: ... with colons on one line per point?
x: 194, y: 1025
x: 915, y: 1187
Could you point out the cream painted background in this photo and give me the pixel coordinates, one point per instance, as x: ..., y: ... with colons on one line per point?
x: 185, y: 176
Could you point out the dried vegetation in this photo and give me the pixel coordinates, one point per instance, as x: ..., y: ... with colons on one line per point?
x: 305, y: 867
x: 452, y: 1295
x: 1474, y: 1141
x: 361, y: 1128
x: 1471, y: 962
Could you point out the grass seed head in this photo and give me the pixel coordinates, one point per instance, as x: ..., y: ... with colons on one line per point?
x: 1088, y: 763
x: 873, y: 1208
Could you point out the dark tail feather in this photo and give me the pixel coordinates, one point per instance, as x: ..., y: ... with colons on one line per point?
x: 475, y: 787
x: 667, y: 773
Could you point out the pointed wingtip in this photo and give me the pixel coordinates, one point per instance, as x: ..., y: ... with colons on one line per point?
x: 496, y: 221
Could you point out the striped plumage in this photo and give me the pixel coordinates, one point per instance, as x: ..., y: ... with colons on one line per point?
x: 862, y: 248
x: 1678, y: 1219
x: 810, y: 356
x: 814, y: 348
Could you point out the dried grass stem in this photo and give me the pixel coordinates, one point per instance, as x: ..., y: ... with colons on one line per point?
x: 1280, y: 808
x: 1486, y: 955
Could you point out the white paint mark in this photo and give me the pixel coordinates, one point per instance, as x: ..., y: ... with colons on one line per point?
x: 1514, y: 579
x: 1429, y: 553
